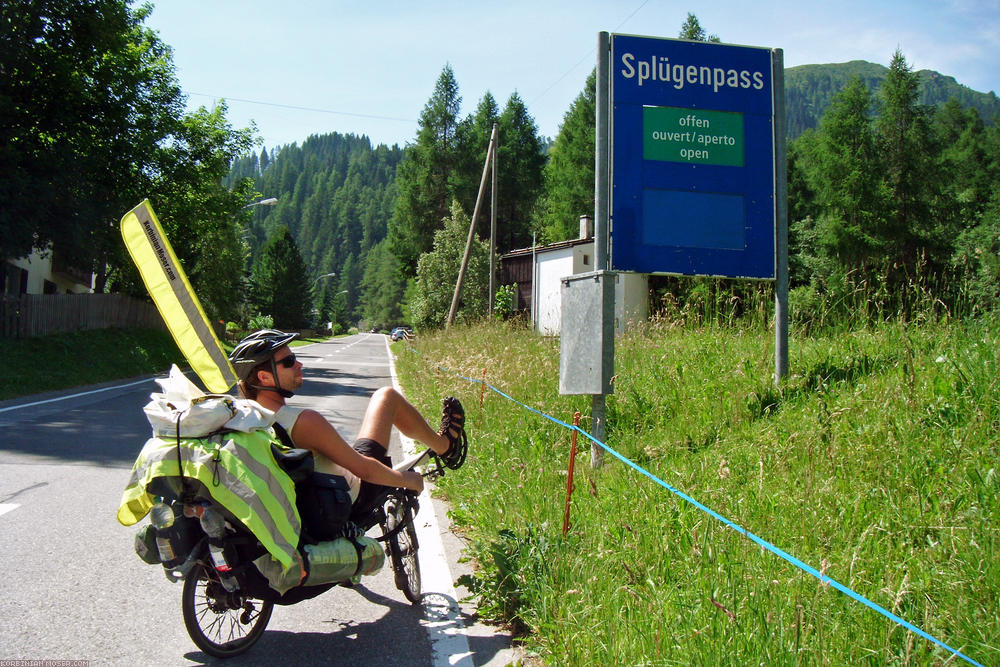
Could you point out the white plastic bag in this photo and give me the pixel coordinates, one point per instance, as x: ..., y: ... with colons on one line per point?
x: 181, y: 408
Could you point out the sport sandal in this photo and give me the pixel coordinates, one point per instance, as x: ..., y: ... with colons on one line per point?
x: 453, y: 428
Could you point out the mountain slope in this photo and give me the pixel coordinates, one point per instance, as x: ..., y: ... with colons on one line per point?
x: 809, y: 89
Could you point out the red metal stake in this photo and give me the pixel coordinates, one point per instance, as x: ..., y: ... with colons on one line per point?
x: 569, y: 477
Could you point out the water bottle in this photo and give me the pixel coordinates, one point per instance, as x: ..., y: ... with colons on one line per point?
x: 161, y: 516
x: 214, y: 525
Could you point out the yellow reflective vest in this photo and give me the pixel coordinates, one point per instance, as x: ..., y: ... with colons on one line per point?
x: 238, y: 470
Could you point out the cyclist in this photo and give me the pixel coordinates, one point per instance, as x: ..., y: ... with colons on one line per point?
x: 269, y: 373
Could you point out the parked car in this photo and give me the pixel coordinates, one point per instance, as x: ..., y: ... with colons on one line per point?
x: 400, y: 332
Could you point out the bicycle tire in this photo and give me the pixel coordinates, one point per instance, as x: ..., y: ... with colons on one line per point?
x: 220, y: 623
x: 403, y: 548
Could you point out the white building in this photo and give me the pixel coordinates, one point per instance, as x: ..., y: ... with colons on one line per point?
x: 43, y: 273
x: 539, y: 271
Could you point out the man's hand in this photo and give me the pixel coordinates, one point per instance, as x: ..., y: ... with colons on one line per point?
x: 414, y: 480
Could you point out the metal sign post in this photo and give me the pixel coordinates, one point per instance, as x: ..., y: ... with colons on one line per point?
x: 780, y: 219
x: 602, y: 235
x: 587, y: 333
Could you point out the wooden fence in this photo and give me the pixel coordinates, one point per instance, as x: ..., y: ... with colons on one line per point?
x: 30, y: 315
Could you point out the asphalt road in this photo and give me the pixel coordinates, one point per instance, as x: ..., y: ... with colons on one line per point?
x: 75, y: 590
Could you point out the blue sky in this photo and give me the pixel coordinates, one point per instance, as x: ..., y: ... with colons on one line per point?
x: 303, y: 67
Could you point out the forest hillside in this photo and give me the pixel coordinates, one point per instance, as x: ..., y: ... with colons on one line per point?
x: 809, y: 90
x: 361, y: 215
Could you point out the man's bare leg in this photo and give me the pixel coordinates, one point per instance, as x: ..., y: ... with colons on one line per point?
x: 388, y: 408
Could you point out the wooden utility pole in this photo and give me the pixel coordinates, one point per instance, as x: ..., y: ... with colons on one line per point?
x: 472, y: 228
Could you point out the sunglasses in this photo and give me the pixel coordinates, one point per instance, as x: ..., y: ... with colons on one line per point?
x: 287, y: 362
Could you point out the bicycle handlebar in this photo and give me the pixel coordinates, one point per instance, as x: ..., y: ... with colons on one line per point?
x: 417, y: 459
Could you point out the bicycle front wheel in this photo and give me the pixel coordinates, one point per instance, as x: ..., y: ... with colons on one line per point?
x: 403, y: 549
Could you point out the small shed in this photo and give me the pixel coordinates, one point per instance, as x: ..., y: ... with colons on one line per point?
x: 538, y: 272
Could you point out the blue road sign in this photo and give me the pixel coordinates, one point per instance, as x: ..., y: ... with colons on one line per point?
x: 692, y: 178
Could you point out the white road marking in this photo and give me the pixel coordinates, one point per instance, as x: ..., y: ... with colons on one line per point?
x: 7, y: 507
x: 360, y: 364
x: 350, y: 345
x: 122, y: 386
x: 84, y: 393
x: 442, y: 617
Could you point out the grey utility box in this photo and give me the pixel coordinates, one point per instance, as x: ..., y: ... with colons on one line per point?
x: 587, y: 359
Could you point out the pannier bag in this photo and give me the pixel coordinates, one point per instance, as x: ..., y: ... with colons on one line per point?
x: 324, y: 503
x: 145, y: 545
x: 234, y: 470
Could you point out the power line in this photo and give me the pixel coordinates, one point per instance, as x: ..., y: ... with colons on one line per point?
x: 589, y: 54
x: 299, y: 108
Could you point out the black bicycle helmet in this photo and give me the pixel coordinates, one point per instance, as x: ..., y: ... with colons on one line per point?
x: 257, y: 348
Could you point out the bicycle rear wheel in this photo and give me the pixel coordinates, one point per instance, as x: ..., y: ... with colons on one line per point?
x: 222, y: 624
x: 403, y: 549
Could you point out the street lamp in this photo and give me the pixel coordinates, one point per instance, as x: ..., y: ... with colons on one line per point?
x: 325, y: 275
x: 270, y: 201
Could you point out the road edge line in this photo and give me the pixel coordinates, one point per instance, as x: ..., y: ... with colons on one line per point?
x: 442, y: 616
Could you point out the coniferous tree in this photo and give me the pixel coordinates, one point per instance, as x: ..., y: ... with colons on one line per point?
x: 976, y: 259
x: 569, y: 174
x: 424, y: 177
x: 520, y: 165
x: 382, y: 292
x: 279, y: 283
x: 473, y: 141
x: 342, y: 197
x: 691, y: 29
x: 844, y: 175
x: 909, y: 228
x: 349, y: 284
x: 963, y: 162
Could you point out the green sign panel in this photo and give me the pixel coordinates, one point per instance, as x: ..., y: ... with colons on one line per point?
x: 692, y: 136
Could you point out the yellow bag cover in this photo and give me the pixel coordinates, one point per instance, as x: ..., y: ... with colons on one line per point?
x: 237, y: 470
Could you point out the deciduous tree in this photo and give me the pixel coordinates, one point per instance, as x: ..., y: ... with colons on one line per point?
x: 437, y: 273
x: 87, y: 95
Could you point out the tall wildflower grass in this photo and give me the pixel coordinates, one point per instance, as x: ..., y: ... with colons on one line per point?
x: 875, y: 463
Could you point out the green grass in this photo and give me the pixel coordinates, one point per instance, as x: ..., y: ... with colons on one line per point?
x: 875, y: 462
x: 63, y: 361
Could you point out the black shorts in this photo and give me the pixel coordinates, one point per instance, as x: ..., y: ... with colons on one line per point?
x: 368, y: 491
x: 372, y: 448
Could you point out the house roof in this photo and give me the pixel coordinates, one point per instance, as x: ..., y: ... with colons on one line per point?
x: 546, y: 248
